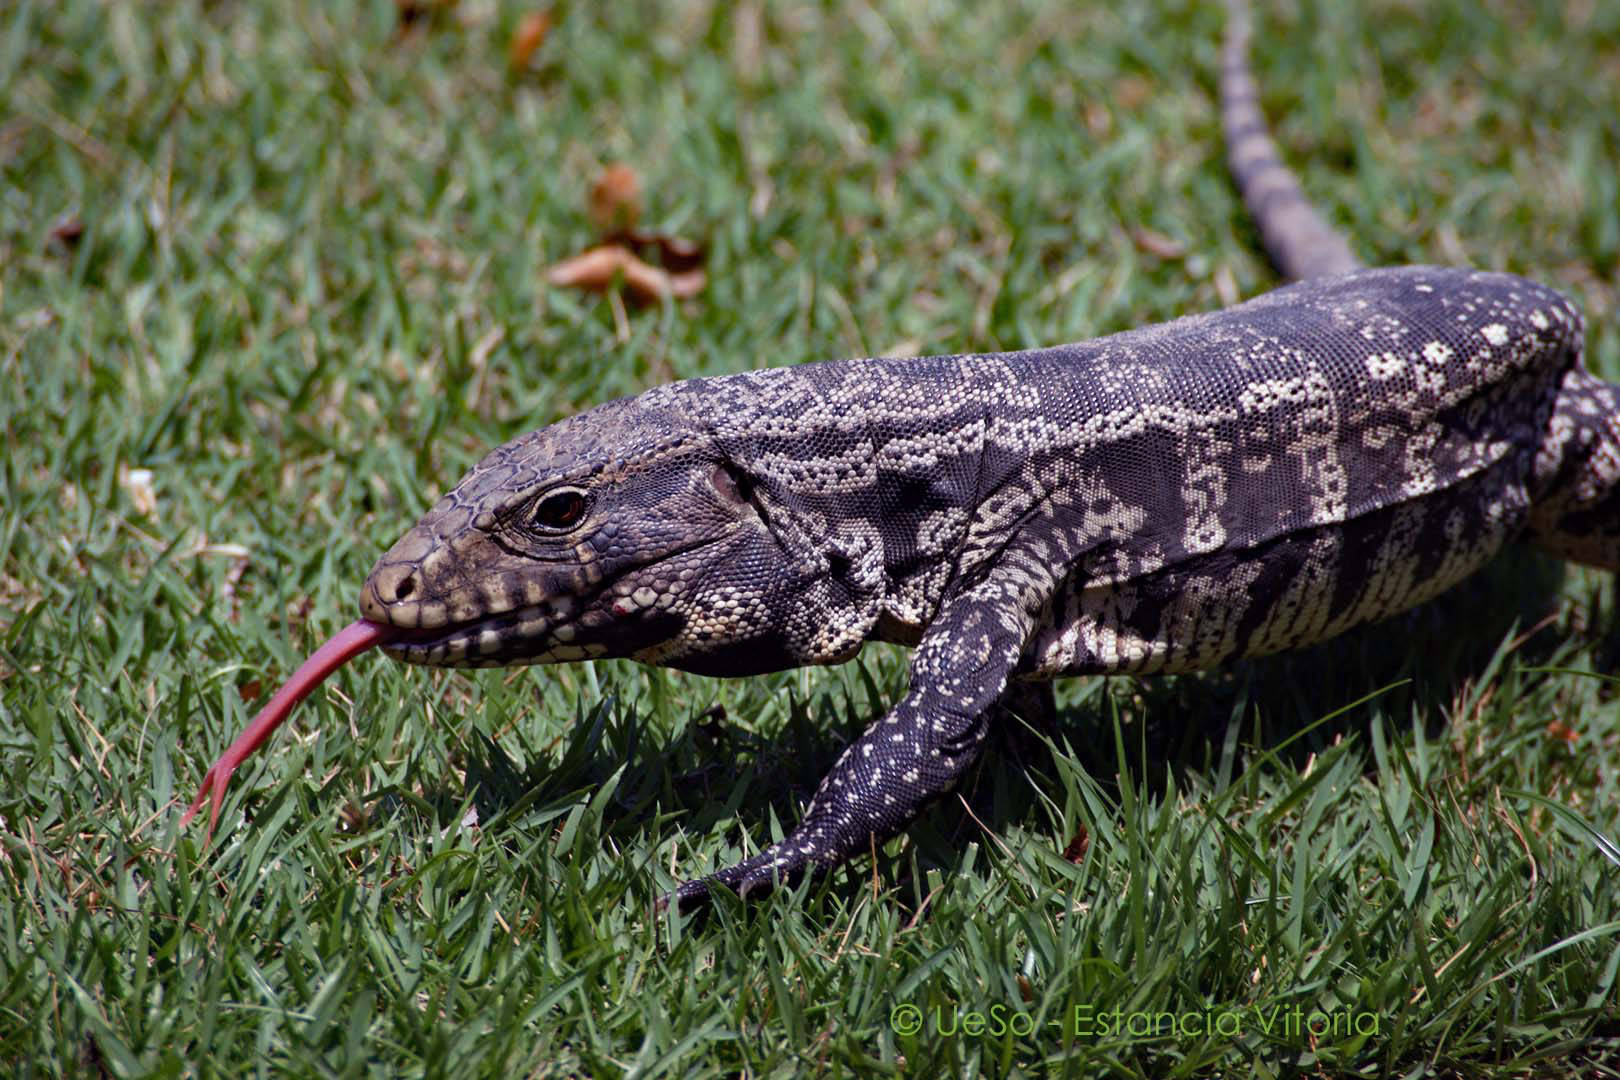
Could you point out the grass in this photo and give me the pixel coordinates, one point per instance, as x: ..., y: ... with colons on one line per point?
x: 306, y: 293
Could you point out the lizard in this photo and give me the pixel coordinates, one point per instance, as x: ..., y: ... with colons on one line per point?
x: 1167, y: 499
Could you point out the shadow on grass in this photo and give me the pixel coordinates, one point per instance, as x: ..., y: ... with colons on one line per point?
x: 1417, y: 664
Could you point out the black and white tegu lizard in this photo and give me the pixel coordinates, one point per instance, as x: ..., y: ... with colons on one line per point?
x: 1222, y: 486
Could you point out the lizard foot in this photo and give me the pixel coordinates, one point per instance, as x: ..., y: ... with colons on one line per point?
x: 751, y: 879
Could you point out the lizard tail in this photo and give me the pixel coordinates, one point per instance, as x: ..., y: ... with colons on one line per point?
x: 1300, y: 243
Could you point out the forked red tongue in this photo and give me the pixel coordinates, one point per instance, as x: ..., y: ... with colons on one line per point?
x: 343, y: 646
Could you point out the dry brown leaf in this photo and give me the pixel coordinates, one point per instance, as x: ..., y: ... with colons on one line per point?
x: 1157, y: 244
x: 65, y: 233
x: 1557, y: 729
x: 600, y: 267
x: 591, y: 269
x: 624, y: 253
x: 414, y: 14
x: 615, y: 204
x: 674, y: 253
x: 1131, y: 91
x: 685, y: 284
x: 529, y: 35
x: 1076, y: 850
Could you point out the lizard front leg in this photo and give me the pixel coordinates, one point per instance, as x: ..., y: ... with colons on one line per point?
x: 915, y: 753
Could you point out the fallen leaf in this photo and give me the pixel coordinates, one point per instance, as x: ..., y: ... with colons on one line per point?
x: 591, y: 269
x: 529, y: 35
x: 1131, y: 91
x: 1157, y: 244
x: 250, y: 690
x: 600, y: 267
x: 413, y: 14
x: 1557, y: 729
x: 675, y: 254
x: 651, y: 266
x: 615, y: 204
x: 64, y: 234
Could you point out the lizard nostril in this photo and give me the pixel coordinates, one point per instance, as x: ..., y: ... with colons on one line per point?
x: 406, y: 586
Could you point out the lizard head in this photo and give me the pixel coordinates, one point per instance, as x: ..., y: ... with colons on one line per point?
x: 623, y: 531
x: 628, y: 530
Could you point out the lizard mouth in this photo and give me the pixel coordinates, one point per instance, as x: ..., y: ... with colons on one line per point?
x: 549, y: 633
x: 527, y: 635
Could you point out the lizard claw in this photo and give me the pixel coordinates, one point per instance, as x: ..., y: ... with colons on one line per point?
x: 751, y: 879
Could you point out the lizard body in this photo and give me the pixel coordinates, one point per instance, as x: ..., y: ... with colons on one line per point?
x: 1166, y: 499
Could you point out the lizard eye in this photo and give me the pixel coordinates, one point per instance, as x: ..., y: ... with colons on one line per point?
x: 560, y: 511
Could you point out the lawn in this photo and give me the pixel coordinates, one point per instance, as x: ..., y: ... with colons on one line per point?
x: 272, y: 276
